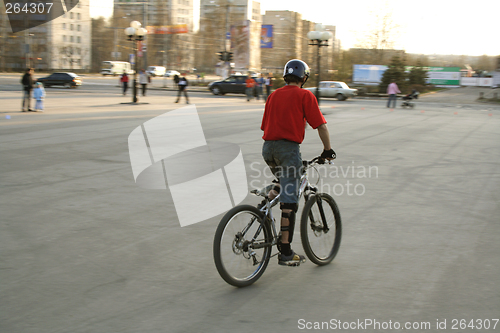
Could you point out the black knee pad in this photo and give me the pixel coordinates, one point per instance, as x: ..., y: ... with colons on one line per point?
x: 291, y: 218
x: 292, y: 206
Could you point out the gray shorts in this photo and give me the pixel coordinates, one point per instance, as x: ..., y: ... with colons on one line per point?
x: 284, y: 159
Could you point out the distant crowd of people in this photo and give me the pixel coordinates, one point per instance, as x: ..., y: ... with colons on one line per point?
x: 32, y: 89
x: 254, y: 87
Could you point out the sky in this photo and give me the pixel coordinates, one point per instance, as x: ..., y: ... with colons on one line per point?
x: 425, y: 26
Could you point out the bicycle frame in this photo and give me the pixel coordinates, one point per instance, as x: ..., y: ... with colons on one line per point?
x: 304, y: 189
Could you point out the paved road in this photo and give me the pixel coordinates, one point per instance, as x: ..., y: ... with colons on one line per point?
x: 83, y: 249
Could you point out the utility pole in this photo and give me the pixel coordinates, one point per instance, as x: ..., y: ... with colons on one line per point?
x: 4, y: 39
x: 145, y: 44
x: 226, y: 62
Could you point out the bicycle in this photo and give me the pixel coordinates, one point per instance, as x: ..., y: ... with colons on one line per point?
x: 246, y: 234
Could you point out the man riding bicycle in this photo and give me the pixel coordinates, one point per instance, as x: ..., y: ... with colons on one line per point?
x: 287, y: 111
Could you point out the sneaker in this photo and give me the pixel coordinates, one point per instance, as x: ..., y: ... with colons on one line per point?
x: 293, y: 260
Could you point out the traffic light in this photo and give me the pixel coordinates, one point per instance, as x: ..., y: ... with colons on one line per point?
x: 225, y: 56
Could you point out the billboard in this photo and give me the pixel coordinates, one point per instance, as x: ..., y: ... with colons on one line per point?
x: 266, y: 37
x: 240, y: 44
x: 440, y: 76
x: 368, y: 74
x: 443, y: 76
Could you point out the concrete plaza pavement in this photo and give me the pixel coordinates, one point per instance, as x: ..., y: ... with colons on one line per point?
x: 83, y: 249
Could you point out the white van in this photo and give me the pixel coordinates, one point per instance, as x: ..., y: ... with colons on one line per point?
x: 156, y: 70
x: 116, y: 68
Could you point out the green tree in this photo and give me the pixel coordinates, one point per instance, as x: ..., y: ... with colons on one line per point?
x: 394, y: 73
x: 417, y: 75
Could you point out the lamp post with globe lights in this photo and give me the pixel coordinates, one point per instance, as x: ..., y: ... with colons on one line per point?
x: 319, y: 38
x: 135, y: 34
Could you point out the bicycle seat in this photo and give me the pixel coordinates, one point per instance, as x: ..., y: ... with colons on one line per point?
x: 263, y: 191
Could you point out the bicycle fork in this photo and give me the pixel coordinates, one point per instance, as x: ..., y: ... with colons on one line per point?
x: 315, y: 227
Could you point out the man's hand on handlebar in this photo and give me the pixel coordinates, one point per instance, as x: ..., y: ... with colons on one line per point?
x: 328, y: 155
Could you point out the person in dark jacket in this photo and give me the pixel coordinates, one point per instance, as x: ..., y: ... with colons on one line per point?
x: 176, y: 80
x: 27, y: 82
x: 183, y: 82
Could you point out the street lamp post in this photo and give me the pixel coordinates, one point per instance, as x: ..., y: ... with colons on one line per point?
x: 319, y: 38
x: 135, y: 34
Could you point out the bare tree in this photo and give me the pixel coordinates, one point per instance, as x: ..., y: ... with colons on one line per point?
x: 102, y: 43
x: 381, y: 35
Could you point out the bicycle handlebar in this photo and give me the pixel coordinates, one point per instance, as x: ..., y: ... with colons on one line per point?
x: 317, y: 160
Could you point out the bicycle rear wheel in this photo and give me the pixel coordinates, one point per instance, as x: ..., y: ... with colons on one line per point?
x: 242, y: 246
x: 321, y: 229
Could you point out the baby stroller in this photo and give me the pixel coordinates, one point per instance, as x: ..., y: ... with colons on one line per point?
x: 407, y: 99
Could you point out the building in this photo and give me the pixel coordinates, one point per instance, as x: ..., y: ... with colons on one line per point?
x: 288, y: 39
x: 60, y: 44
x: 233, y: 26
x: 290, y: 42
x: 69, y: 37
x: 172, y: 50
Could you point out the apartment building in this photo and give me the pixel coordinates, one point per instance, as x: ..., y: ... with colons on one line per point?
x: 232, y: 25
x: 290, y: 41
x: 61, y: 44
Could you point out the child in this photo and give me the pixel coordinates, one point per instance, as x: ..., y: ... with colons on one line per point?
x: 39, y: 95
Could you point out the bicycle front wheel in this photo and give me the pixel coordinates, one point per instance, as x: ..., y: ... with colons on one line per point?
x: 242, y: 246
x: 321, y: 228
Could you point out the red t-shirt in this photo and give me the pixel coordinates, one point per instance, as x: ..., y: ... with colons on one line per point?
x: 250, y: 83
x: 286, y: 113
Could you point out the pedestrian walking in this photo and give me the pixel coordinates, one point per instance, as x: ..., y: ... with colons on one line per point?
x: 27, y: 82
x: 176, y: 80
x: 183, y: 83
x: 269, y: 84
x: 259, y: 84
x: 143, y: 81
x: 39, y: 95
x: 392, y: 90
x: 124, y: 81
x: 250, y: 84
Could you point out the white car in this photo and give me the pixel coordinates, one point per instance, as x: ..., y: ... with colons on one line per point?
x: 156, y: 71
x: 336, y: 89
x: 171, y: 73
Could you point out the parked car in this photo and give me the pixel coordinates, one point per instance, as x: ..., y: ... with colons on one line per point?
x: 156, y: 71
x: 171, y: 73
x: 234, y: 84
x: 335, y: 89
x: 68, y: 80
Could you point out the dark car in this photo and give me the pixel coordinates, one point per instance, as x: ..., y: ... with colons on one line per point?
x: 235, y: 84
x: 68, y: 80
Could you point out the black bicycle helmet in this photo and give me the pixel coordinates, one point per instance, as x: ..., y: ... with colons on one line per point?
x: 297, y: 68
